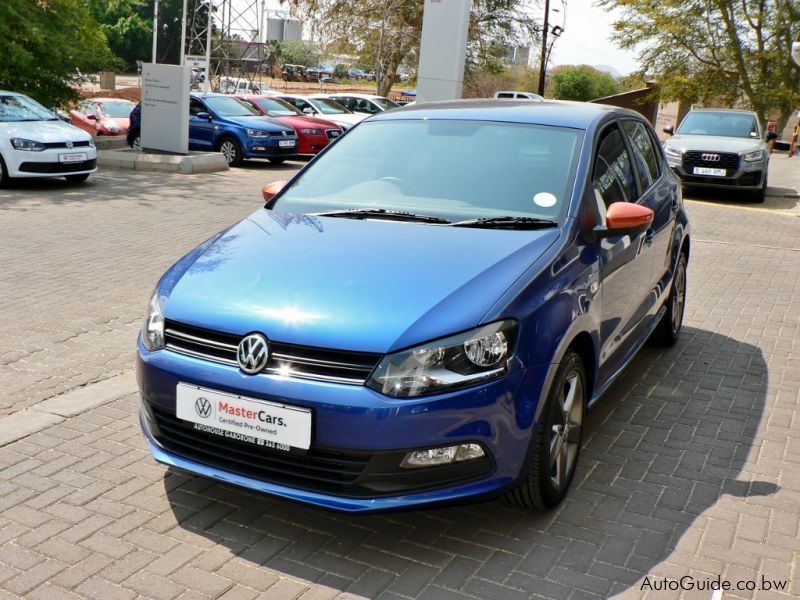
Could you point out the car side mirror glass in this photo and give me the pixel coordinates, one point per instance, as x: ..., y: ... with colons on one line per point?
x: 203, y: 115
x: 625, y: 218
x: 772, y: 135
x: 308, y: 111
x: 669, y: 130
x: 270, y: 190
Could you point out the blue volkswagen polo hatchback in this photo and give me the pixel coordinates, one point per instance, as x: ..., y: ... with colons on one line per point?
x: 424, y: 313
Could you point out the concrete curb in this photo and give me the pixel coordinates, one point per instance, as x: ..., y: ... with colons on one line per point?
x: 188, y: 164
x: 54, y: 410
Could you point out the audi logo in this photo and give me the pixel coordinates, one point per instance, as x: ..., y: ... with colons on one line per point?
x: 708, y: 157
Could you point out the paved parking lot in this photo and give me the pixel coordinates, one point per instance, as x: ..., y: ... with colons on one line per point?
x: 691, y: 464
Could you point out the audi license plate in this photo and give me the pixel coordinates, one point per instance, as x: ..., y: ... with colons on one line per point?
x: 258, y: 422
x: 707, y: 171
x: 286, y: 143
x: 72, y: 157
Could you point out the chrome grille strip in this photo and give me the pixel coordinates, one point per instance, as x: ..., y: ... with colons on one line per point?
x: 200, y: 341
x: 321, y: 363
x: 314, y: 376
x: 193, y: 354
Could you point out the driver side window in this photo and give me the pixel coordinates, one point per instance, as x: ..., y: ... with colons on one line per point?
x: 195, y: 107
x: 613, y: 178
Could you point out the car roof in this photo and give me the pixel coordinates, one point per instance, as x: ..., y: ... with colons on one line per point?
x: 109, y: 100
x: 10, y: 93
x: 577, y: 115
x: 354, y: 95
x: 740, y: 111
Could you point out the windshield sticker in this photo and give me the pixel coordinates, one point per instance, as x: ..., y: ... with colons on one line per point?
x: 545, y: 199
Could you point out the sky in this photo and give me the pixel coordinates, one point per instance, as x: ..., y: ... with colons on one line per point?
x: 586, y: 37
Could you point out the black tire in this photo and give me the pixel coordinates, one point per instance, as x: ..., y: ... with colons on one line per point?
x: 277, y: 161
x: 760, y: 194
x: 669, y: 328
x: 231, y: 150
x: 4, y: 177
x: 559, y: 430
x: 77, y: 178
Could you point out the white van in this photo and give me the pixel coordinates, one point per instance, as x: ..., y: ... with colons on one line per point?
x: 518, y: 95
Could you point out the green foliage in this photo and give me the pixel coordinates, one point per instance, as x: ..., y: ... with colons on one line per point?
x: 716, y: 51
x: 300, y: 53
x: 341, y: 71
x: 583, y: 83
x: 44, y: 43
x: 128, y: 27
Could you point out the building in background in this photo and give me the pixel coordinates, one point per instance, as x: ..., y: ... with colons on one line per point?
x: 284, y: 30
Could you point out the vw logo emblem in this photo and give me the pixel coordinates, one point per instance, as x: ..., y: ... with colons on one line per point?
x: 68, y: 144
x: 253, y: 353
x: 202, y: 407
x: 711, y: 157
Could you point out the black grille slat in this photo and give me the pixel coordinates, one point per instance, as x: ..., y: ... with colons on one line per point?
x: 311, y: 470
x: 304, y: 362
x: 694, y: 158
x: 83, y: 144
x: 57, y: 167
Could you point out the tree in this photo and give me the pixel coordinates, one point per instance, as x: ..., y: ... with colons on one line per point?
x: 44, y: 43
x: 300, y: 53
x: 127, y: 26
x: 386, y: 33
x: 731, y: 51
x: 582, y: 83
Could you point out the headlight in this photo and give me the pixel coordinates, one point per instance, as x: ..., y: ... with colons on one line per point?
x: 257, y: 133
x: 153, y: 325
x: 27, y: 145
x: 91, y: 142
x: 672, y: 152
x: 309, y: 131
x: 453, y: 362
x: 754, y: 156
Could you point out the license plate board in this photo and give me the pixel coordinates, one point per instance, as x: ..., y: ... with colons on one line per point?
x: 286, y: 143
x: 72, y: 157
x: 258, y: 422
x: 708, y: 171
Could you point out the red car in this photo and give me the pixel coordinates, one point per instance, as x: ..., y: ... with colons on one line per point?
x: 312, y: 134
x: 103, y: 116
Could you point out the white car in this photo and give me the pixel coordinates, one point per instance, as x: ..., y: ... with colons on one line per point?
x: 324, y: 108
x: 514, y: 95
x: 364, y: 103
x: 36, y: 143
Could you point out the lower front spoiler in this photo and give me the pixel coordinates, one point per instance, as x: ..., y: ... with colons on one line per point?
x: 468, y: 491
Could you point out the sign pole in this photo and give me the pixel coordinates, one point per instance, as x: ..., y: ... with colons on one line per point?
x: 155, y: 30
x: 207, y: 82
x: 183, y: 33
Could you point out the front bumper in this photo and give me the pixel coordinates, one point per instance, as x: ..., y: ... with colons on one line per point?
x: 269, y: 148
x: 46, y: 163
x: 748, y: 175
x: 349, y: 423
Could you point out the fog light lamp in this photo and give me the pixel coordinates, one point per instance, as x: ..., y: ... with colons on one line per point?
x: 431, y: 457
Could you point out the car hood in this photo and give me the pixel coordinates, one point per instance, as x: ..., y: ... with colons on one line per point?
x: 368, y: 285
x: 44, y: 131
x: 304, y: 122
x: 256, y: 122
x: 715, y: 143
x: 349, y: 119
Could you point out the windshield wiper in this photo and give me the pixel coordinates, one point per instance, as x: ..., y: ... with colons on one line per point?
x: 382, y: 213
x: 507, y: 222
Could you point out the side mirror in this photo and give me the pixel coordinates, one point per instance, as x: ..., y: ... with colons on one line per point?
x: 92, y: 117
x: 308, y: 110
x: 625, y: 218
x: 772, y: 135
x: 669, y: 130
x: 270, y: 190
x: 203, y: 115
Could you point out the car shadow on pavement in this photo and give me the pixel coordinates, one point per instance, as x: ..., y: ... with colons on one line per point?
x: 777, y: 198
x: 669, y: 439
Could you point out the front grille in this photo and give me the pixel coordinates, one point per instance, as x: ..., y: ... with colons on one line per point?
x: 749, y: 179
x: 727, y: 160
x: 332, y: 133
x: 54, y: 167
x: 304, y: 362
x: 317, y: 469
x: 82, y: 144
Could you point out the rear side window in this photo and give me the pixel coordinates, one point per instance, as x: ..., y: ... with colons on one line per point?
x: 505, y: 95
x: 613, y: 178
x: 645, y: 155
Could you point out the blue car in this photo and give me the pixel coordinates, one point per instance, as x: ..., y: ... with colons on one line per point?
x: 226, y: 124
x: 424, y: 313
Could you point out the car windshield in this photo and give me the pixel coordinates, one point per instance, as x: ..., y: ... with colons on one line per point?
x: 227, y: 106
x: 385, y: 103
x: 22, y: 108
x: 728, y: 124
x: 451, y: 169
x: 276, y: 107
x: 329, y: 107
x: 116, y: 110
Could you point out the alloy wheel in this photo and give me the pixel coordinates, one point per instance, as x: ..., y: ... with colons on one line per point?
x: 678, y: 297
x: 229, y: 151
x: 566, y: 431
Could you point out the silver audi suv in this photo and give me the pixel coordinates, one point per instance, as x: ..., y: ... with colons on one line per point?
x: 722, y: 149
